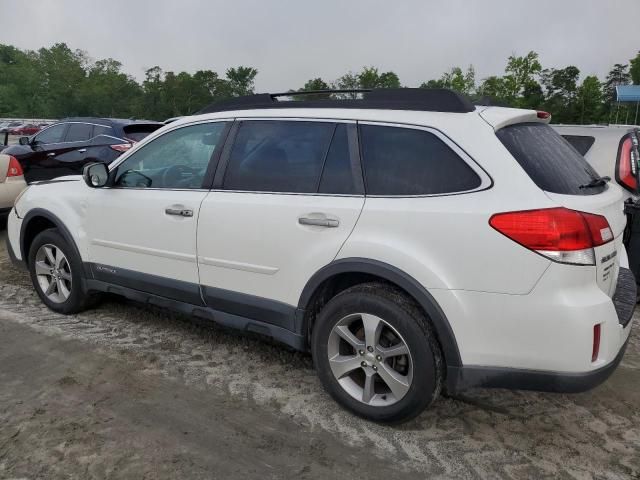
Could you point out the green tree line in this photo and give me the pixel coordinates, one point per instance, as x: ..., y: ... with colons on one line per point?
x: 57, y: 82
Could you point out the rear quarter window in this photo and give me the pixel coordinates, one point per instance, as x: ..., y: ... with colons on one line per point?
x: 137, y: 132
x: 549, y: 160
x: 582, y: 143
x: 406, y: 161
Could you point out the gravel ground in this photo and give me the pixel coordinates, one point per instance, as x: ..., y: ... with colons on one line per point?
x: 124, y: 391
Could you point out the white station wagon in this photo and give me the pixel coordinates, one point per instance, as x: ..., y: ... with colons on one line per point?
x: 411, y: 241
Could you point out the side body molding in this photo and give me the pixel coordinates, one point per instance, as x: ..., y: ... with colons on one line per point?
x: 403, y: 280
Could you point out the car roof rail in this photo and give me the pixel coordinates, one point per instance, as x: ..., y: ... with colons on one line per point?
x: 418, y: 99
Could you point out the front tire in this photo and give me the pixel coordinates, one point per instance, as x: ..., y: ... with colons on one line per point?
x: 376, y: 353
x: 56, y: 273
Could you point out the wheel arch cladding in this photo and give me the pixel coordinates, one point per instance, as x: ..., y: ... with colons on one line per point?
x: 363, y: 269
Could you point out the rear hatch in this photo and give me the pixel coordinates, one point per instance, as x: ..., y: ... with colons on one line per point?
x: 566, y: 177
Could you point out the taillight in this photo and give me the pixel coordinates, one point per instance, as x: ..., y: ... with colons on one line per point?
x: 595, y: 351
x: 543, y: 115
x: 559, y: 234
x: 15, y: 169
x: 627, y: 164
x: 121, y: 147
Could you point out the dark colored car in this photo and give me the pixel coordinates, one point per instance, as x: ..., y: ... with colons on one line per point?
x: 66, y: 146
x: 26, y: 129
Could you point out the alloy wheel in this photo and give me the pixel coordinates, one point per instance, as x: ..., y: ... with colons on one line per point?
x: 370, y: 359
x: 53, y: 273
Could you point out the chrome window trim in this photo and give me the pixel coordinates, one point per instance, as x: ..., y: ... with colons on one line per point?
x: 486, y: 181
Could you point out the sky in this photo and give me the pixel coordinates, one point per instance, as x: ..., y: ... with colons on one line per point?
x: 291, y: 41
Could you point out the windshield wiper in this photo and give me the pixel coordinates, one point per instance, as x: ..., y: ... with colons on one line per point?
x: 596, y: 182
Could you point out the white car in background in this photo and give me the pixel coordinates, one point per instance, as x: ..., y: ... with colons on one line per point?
x: 11, y: 184
x: 613, y: 150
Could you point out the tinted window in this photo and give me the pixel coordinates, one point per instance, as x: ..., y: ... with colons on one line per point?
x: 278, y: 156
x: 581, y: 143
x: 101, y: 130
x: 137, y: 132
x: 337, y: 175
x: 78, y: 132
x: 551, y: 162
x: 403, y: 161
x: 52, y: 134
x: 177, y: 159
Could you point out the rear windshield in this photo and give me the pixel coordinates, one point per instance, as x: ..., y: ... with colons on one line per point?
x: 551, y: 162
x: 137, y: 132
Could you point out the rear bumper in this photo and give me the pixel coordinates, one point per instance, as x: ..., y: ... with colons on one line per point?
x: 12, y: 256
x: 464, y: 378
x: 544, y: 343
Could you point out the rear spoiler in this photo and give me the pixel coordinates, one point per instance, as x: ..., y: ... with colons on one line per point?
x: 499, y: 117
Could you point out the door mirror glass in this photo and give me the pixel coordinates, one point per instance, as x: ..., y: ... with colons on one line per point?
x: 96, y: 175
x: 23, y: 141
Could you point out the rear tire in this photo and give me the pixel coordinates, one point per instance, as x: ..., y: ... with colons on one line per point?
x: 376, y: 353
x: 56, y: 272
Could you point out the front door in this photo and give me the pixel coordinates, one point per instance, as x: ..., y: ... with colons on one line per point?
x: 143, y: 229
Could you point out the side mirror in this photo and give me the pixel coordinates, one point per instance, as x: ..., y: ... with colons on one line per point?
x: 24, y: 140
x: 95, y: 175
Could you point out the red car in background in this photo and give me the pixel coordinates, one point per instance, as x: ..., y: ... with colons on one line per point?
x: 25, y: 129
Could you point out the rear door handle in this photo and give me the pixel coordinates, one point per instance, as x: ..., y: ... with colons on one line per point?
x: 181, y: 212
x: 319, y: 222
x: 82, y: 150
x: 52, y: 154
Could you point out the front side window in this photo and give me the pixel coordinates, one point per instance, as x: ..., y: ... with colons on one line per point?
x: 79, y: 132
x: 52, y: 134
x: 405, y: 161
x: 178, y: 159
x: 278, y: 156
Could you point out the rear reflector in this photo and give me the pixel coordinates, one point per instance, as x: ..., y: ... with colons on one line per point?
x: 596, y: 343
x: 627, y: 164
x: 560, y: 234
x: 15, y: 169
x: 121, y: 147
x: 543, y: 115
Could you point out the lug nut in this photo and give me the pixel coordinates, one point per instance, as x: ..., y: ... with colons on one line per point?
x: 363, y: 364
x: 370, y: 349
x: 375, y: 368
x: 361, y: 352
x: 378, y: 358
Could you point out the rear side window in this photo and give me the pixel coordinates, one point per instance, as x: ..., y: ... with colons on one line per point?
x: 79, y: 132
x: 278, y: 156
x: 582, y: 143
x: 137, y: 132
x: 550, y: 161
x: 405, y: 161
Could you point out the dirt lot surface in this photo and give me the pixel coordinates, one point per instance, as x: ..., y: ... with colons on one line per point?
x: 124, y: 391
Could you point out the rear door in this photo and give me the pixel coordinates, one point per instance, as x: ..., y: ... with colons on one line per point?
x: 287, y: 196
x: 566, y: 177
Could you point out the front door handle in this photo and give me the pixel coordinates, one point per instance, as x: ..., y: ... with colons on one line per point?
x: 52, y: 154
x: 181, y: 212
x: 319, y: 222
x: 82, y: 150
